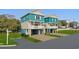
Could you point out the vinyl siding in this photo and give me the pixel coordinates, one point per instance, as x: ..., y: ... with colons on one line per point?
x: 32, y: 17
x: 51, y: 20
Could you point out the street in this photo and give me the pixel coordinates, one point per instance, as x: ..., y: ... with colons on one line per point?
x: 67, y: 42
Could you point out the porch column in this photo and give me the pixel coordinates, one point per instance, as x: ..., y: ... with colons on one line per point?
x: 29, y: 32
x: 48, y: 30
x: 39, y: 32
x: 53, y: 30
x: 44, y: 31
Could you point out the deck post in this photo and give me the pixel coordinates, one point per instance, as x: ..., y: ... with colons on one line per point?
x: 39, y: 32
x: 44, y: 31
x: 29, y: 32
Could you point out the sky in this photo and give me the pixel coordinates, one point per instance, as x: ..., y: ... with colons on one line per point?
x: 63, y: 14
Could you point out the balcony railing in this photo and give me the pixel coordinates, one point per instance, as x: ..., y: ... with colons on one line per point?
x: 52, y: 27
x: 36, y: 27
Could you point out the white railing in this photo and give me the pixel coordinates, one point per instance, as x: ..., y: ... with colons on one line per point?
x: 35, y: 27
x: 52, y: 27
x: 41, y: 27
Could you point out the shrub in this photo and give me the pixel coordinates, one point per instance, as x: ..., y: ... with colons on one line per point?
x: 24, y: 35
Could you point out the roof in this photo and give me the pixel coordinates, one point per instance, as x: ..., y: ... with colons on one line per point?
x: 52, y: 16
x: 37, y: 12
x: 32, y: 13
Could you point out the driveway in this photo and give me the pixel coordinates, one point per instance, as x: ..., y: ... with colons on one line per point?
x: 67, y: 42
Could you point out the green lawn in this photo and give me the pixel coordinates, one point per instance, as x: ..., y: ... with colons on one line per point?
x: 15, y: 35
x: 68, y: 31
x: 62, y: 33
x: 30, y: 38
x: 12, y: 37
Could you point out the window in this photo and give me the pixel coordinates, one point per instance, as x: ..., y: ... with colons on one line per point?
x: 56, y: 20
x: 37, y: 17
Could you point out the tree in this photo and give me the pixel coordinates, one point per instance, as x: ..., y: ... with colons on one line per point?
x: 10, y: 23
x: 63, y: 23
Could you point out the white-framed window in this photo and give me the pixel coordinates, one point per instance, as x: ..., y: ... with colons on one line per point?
x: 52, y: 19
x: 40, y: 17
x: 37, y: 17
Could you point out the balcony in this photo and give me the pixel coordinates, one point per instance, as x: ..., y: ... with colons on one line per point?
x: 35, y: 27
x: 52, y: 27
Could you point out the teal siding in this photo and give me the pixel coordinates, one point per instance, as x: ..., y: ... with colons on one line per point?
x: 25, y: 18
x: 42, y: 19
x: 51, y: 20
x: 32, y: 18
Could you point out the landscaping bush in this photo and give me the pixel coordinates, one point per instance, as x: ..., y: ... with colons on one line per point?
x: 24, y: 35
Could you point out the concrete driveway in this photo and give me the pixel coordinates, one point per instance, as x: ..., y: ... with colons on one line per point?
x: 67, y: 42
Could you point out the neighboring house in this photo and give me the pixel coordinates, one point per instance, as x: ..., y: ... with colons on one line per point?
x: 68, y: 24
x: 37, y: 23
x: 76, y: 26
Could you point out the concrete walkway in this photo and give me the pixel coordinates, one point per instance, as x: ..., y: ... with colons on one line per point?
x: 67, y: 42
x: 43, y: 37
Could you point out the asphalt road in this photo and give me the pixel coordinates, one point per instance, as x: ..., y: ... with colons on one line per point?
x: 67, y: 42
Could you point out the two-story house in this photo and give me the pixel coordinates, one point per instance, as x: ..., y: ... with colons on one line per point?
x: 36, y: 23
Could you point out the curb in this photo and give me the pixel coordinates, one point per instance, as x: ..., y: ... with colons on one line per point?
x: 7, y: 45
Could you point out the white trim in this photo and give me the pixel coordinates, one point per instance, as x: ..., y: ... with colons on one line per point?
x: 35, y: 16
x: 40, y: 17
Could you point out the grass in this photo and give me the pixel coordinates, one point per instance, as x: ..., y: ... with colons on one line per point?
x: 15, y: 35
x: 30, y: 39
x: 68, y: 31
x: 12, y: 37
x: 64, y: 33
